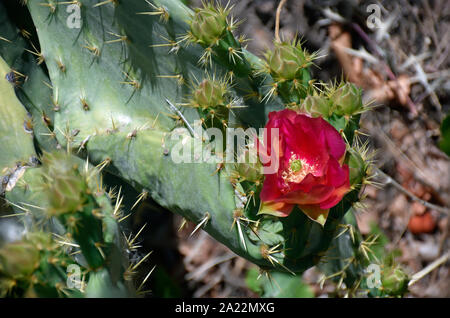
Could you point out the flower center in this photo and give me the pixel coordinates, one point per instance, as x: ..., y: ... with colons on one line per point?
x: 296, y: 165
x: 297, y: 171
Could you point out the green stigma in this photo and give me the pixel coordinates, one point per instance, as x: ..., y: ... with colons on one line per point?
x: 296, y: 165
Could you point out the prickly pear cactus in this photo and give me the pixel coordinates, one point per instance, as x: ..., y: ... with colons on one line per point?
x: 69, y: 220
x: 66, y: 204
x: 132, y: 84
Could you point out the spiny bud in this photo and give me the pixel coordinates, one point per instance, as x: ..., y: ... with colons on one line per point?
x: 248, y: 166
x: 18, y: 260
x: 287, y: 60
x: 62, y: 182
x: 208, y: 24
x: 348, y: 99
x: 317, y: 106
x: 394, y: 281
x: 210, y: 93
x: 357, y: 168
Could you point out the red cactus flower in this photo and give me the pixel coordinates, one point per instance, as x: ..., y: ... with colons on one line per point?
x: 310, y: 174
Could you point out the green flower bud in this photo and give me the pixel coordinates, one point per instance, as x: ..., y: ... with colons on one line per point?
x: 210, y: 93
x: 348, y: 99
x: 394, y: 281
x: 357, y: 168
x: 245, y: 167
x: 208, y: 25
x: 317, y: 106
x: 62, y: 182
x: 18, y: 260
x: 286, y: 60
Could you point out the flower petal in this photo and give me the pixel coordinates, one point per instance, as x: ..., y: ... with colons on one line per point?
x: 271, y: 189
x: 315, y: 213
x: 279, y: 209
x: 318, y: 194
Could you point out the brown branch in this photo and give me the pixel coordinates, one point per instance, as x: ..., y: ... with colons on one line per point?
x: 277, y: 20
x: 390, y: 180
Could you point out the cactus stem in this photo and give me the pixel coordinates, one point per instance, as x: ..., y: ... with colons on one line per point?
x: 202, y: 222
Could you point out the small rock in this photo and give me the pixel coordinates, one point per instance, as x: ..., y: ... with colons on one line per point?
x: 398, y: 130
x: 399, y: 205
x: 417, y: 208
x: 424, y: 223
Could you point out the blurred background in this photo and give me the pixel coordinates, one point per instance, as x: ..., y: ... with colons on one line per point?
x: 398, y: 52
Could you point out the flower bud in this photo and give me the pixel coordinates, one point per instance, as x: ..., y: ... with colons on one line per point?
x: 208, y: 25
x: 209, y: 93
x: 248, y: 166
x: 286, y: 60
x: 394, y: 281
x: 62, y: 182
x: 357, y: 168
x: 317, y: 106
x: 18, y: 260
x: 348, y: 99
